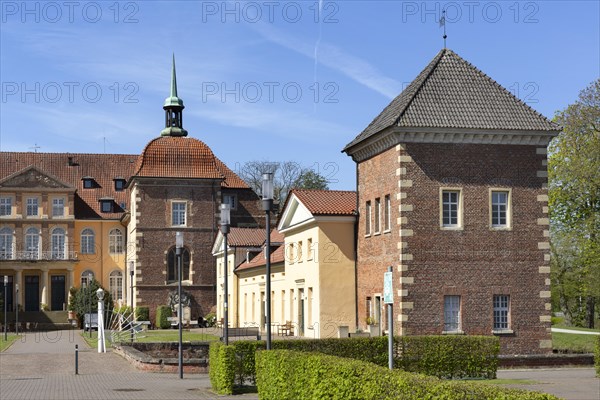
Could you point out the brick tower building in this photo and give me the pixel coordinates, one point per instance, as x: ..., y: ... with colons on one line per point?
x: 178, y: 185
x: 452, y: 192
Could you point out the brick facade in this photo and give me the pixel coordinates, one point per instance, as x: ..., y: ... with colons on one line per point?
x: 475, y: 262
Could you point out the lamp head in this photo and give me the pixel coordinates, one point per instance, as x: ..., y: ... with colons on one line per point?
x: 131, y: 268
x: 225, y: 214
x: 5, y: 280
x: 267, y: 186
x: 100, y: 294
x: 179, y: 240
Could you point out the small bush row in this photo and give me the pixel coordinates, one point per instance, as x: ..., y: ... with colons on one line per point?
x: 285, y: 374
x: 162, y: 313
x: 221, y: 372
x: 441, y: 356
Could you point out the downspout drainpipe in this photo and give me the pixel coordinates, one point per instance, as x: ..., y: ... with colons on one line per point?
x: 356, y: 253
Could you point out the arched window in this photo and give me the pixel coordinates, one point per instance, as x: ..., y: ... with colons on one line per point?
x: 172, y: 264
x: 115, y: 285
x: 58, y: 244
x: 87, y: 277
x: 6, y: 244
x: 87, y: 241
x: 32, y: 243
x: 115, y: 241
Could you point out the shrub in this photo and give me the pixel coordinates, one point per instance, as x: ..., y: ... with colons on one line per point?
x: 85, y: 300
x: 441, y: 356
x: 142, y: 313
x: 285, y: 374
x: 162, y: 313
x: 449, y: 356
x: 597, y: 356
x: 221, y: 367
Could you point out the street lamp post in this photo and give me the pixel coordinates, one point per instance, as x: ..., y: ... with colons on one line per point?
x: 5, y: 311
x: 178, y: 251
x: 101, y: 342
x: 89, y: 294
x: 225, y: 222
x: 267, y: 204
x: 17, y: 310
x: 131, y: 271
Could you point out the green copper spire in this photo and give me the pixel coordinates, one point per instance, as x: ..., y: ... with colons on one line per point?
x: 173, y: 108
x: 173, y: 100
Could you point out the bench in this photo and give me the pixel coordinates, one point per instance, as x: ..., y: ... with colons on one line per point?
x: 243, y: 332
x: 139, y: 326
x: 285, y: 329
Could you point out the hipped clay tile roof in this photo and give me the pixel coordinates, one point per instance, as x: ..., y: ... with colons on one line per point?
x: 452, y: 93
x: 103, y: 168
x: 246, y: 237
x: 277, y: 256
x: 327, y: 202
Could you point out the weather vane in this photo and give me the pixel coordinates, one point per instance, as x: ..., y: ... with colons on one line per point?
x: 443, y: 23
x: 35, y: 147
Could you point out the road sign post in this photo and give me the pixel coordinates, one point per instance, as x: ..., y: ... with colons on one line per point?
x: 388, y: 298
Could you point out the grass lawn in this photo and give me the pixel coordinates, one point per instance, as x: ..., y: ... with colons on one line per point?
x: 172, y: 335
x: 10, y: 338
x: 159, y: 335
x: 573, y: 343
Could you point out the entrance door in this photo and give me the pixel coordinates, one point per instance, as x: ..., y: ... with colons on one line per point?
x: 32, y: 293
x: 301, y: 312
x: 58, y: 292
x: 9, y: 293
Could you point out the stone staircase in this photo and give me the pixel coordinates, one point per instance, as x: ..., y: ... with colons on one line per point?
x: 39, y: 320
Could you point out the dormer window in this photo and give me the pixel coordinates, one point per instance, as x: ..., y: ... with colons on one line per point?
x: 107, y: 205
x: 88, y: 182
x: 119, y: 184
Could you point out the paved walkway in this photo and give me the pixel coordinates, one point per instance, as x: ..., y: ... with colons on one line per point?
x: 567, y: 383
x: 562, y: 330
x: 42, y: 366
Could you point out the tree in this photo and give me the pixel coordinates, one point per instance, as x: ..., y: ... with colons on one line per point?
x: 574, y: 202
x: 288, y: 175
x: 85, y: 300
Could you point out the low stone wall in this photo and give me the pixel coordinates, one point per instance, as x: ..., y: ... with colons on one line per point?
x: 550, y: 360
x: 163, y: 357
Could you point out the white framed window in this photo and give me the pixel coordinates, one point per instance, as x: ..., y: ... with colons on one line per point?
x: 58, y: 207
x: 309, y: 249
x: 87, y: 277
x: 230, y: 199
x: 115, y: 285
x: 452, y: 314
x: 32, y: 243
x: 115, y: 241
x: 172, y: 265
x: 88, y: 241
x: 377, y: 215
x: 5, y: 206
x: 6, y: 244
x: 501, y: 312
x: 451, y: 208
x: 178, y: 211
x: 32, y: 206
x: 368, y: 218
x: 58, y: 244
x: 299, y: 256
x: 387, y: 218
x: 500, y: 208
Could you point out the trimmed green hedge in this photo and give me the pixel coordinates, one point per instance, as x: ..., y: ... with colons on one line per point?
x: 162, y: 313
x: 222, y: 367
x: 142, y: 313
x: 285, y: 374
x: 597, y: 356
x: 441, y: 356
x: 449, y: 356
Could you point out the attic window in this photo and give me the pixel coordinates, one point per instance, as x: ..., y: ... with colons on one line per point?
x: 119, y: 184
x: 88, y: 182
x: 106, y: 205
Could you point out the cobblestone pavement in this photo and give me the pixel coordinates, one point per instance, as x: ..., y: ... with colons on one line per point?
x: 567, y: 383
x: 42, y: 366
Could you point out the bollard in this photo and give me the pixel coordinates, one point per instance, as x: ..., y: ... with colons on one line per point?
x: 76, y: 359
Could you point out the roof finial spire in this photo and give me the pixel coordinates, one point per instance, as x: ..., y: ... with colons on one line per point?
x: 443, y: 23
x: 173, y: 107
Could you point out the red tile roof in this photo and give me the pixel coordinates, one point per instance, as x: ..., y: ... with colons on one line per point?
x: 103, y: 168
x: 326, y: 202
x: 277, y: 256
x: 246, y: 237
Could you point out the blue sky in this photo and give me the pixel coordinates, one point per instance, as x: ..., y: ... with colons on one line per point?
x: 293, y: 80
